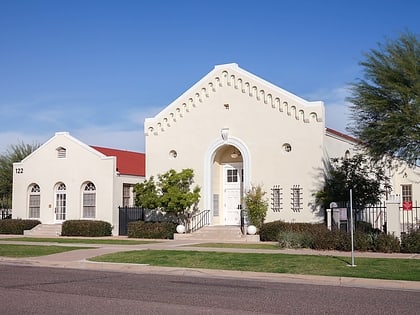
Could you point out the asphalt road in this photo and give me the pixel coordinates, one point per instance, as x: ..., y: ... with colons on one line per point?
x: 40, y: 290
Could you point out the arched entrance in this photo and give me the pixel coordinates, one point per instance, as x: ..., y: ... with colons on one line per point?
x: 227, y: 177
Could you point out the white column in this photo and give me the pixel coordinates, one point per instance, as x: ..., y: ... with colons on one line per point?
x: 393, y: 216
x: 329, y: 219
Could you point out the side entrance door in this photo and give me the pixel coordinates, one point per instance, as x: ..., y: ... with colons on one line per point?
x: 60, y: 203
x: 232, y: 193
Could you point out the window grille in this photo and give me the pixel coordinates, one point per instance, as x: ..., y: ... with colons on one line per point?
x: 276, y: 198
x: 296, y: 196
x: 232, y: 176
x: 406, y: 193
x: 35, y: 202
x: 89, y: 201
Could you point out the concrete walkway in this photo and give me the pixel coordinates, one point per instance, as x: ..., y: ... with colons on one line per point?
x: 78, y: 259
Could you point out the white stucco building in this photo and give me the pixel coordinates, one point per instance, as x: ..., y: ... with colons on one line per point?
x: 236, y: 130
x: 66, y: 179
x: 232, y: 128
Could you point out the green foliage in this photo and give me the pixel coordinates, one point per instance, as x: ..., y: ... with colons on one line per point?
x: 16, y: 153
x: 171, y: 192
x: 147, y: 194
x: 256, y: 206
x: 386, y: 243
x: 385, y: 104
x: 410, y: 243
x: 367, y: 181
x: 317, y: 236
x: 88, y: 228
x: 155, y: 230
x: 269, y: 231
x: 289, y: 239
x: 17, y: 226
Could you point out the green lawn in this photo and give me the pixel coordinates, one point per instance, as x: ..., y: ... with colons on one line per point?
x: 13, y: 250
x: 391, y: 269
x: 77, y: 240
x: 237, y: 245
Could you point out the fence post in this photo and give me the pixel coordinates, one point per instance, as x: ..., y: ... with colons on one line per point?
x: 393, y: 216
x: 329, y: 219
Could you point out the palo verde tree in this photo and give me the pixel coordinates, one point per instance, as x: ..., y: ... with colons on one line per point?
x: 385, y: 104
x: 172, y: 192
x: 15, y: 153
x: 366, y: 179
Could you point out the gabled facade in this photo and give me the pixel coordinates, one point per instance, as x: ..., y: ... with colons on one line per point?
x: 236, y: 130
x: 66, y: 179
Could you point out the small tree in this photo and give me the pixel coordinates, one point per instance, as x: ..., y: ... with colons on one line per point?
x: 256, y: 205
x: 15, y: 153
x: 171, y: 193
x: 367, y: 180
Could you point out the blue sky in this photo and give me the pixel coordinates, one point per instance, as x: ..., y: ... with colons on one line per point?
x: 97, y: 69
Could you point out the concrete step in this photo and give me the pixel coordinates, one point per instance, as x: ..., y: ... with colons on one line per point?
x: 44, y: 230
x: 219, y: 233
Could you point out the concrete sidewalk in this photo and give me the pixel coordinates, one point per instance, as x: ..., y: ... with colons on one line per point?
x: 77, y: 259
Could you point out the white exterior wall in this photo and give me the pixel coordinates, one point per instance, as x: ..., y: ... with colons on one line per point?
x: 82, y: 164
x: 400, y: 174
x: 261, y: 118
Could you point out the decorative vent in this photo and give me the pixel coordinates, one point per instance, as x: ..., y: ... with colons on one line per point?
x: 61, y: 152
x: 276, y: 198
x: 296, y: 198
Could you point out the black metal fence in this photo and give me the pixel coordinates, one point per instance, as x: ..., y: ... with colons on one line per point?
x: 132, y: 214
x: 374, y: 215
x: 192, y: 222
x: 410, y: 218
x: 6, y: 214
x: 198, y: 220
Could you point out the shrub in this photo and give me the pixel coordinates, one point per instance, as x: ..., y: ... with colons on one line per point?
x: 256, y: 206
x: 17, y: 226
x: 386, y: 243
x: 157, y: 230
x: 289, y: 239
x: 269, y: 232
x: 364, y: 227
x: 363, y: 241
x: 410, y: 243
x: 88, y: 228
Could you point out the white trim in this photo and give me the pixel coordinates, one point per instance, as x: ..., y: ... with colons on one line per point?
x: 209, y: 159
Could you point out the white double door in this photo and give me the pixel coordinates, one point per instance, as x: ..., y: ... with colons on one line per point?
x: 232, y: 193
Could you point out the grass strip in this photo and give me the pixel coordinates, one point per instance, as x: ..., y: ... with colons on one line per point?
x: 237, y: 245
x: 374, y: 268
x: 18, y: 250
x: 77, y: 240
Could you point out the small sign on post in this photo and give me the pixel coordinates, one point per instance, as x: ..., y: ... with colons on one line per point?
x: 407, y: 205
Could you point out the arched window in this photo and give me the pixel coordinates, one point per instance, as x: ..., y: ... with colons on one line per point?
x: 60, y: 202
x: 89, y: 201
x: 34, y: 201
x: 347, y: 155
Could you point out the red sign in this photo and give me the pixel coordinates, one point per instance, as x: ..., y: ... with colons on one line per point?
x: 407, y: 205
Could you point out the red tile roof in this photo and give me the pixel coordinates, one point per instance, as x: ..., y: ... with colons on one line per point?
x: 342, y: 135
x: 128, y: 162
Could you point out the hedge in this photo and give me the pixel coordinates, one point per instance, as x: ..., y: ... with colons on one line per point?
x: 156, y: 230
x: 88, y: 228
x: 17, y: 226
